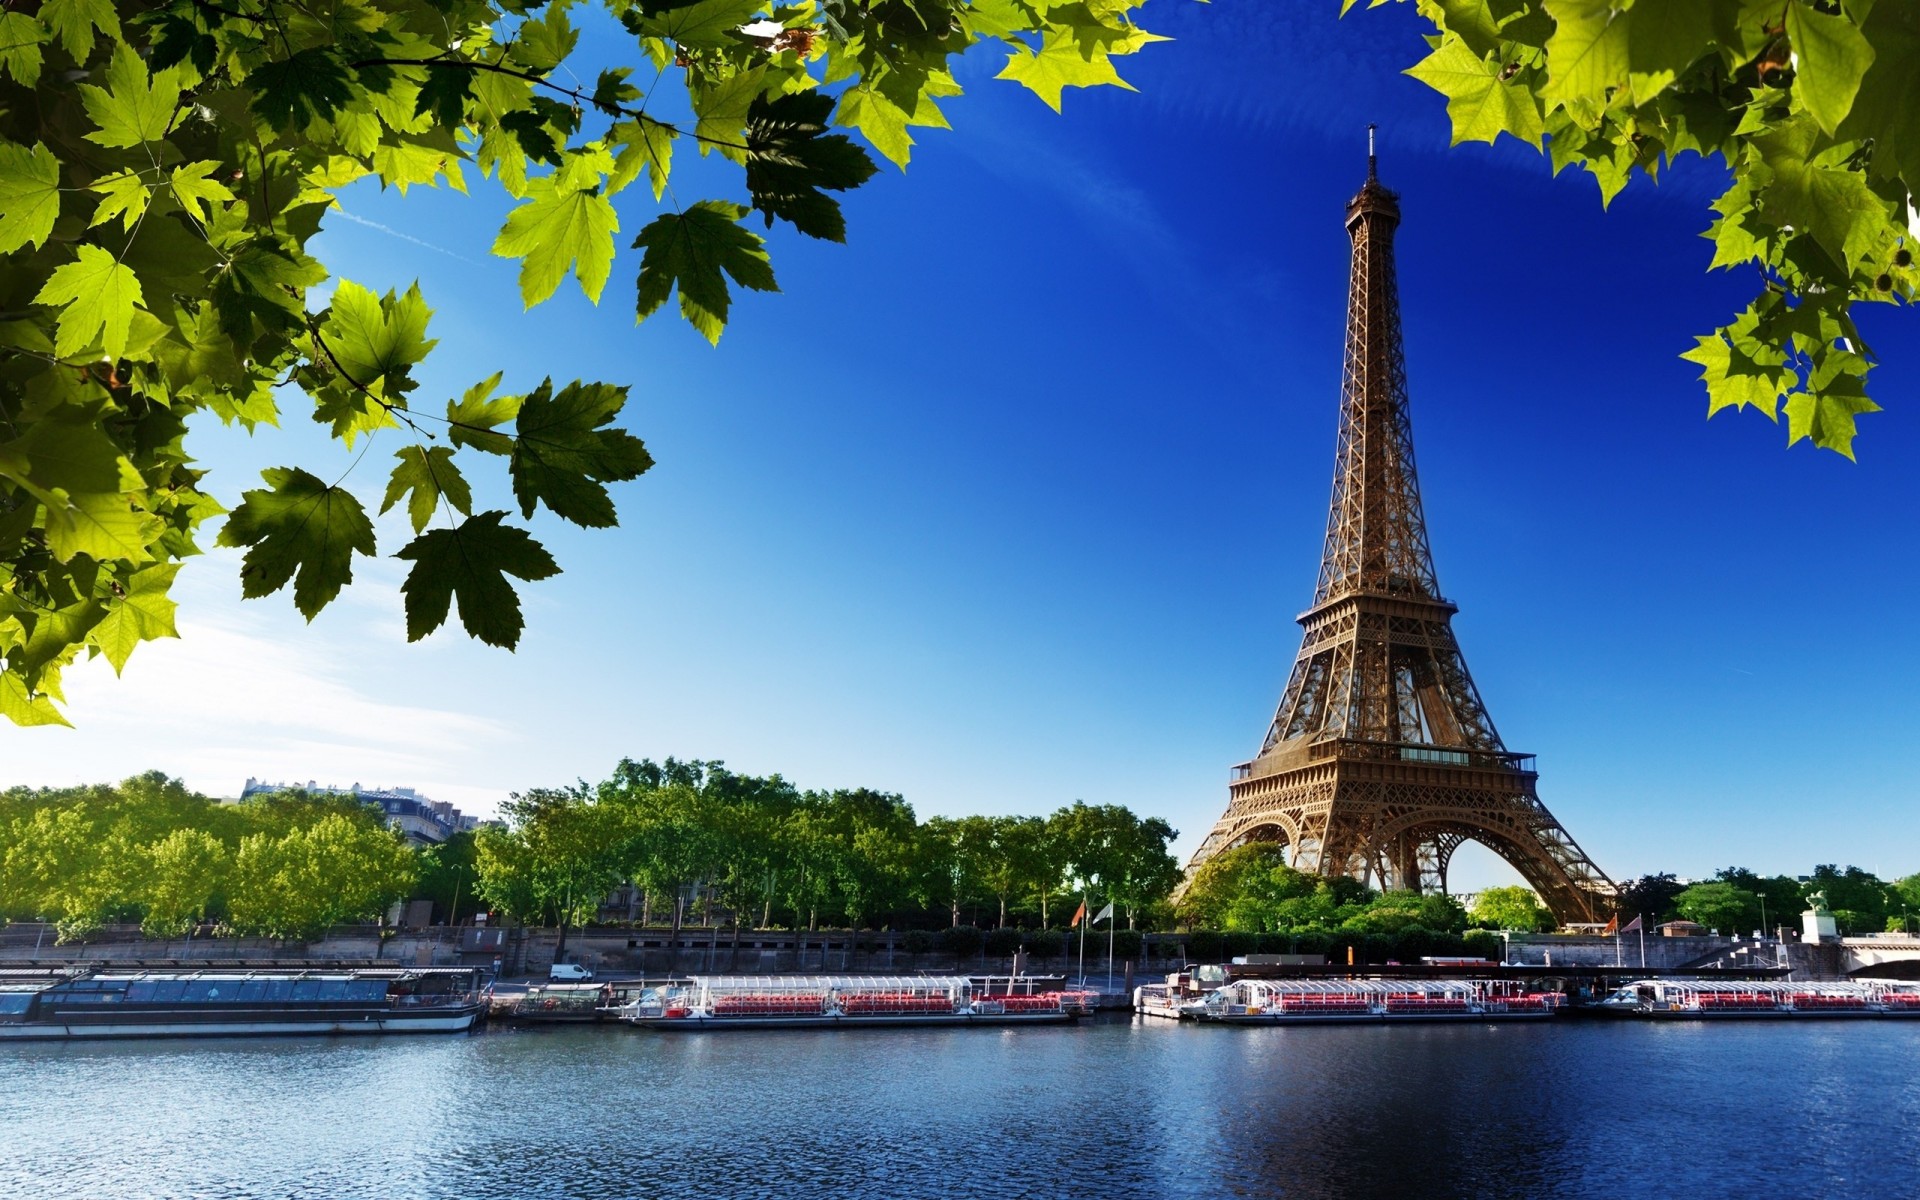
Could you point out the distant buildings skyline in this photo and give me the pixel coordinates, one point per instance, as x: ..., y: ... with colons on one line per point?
x: 420, y: 819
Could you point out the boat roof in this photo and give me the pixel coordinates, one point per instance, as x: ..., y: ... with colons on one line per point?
x: 860, y: 983
x: 388, y: 973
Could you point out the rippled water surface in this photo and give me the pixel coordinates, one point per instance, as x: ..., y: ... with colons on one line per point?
x: 1107, y: 1109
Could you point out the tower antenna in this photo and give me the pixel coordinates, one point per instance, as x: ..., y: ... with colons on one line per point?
x: 1372, y: 163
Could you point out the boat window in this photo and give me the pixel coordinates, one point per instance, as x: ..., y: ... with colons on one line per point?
x: 278, y: 989
x: 305, y: 989
x: 252, y: 991
x: 15, y: 1003
x: 333, y: 989
x: 368, y: 989
x: 167, y: 990
x: 140, y: 990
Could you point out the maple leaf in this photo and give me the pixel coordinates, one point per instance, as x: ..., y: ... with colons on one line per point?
x: 101, y: 525
x: 471, y: 563
x: 1480, y: 105
x: 194, y: 190
x: 144, y: 613
x: 690, y: 250
x: 376, y: 339
x: 29, y: 195
x: 791, y: 156
x: 1062, y: 61
x: 298, y: 524
x: 562, y: 456
x: 555, y: 229
x: 428, y: 473
x: 76, y: 23
x: 291, y: 92
x: 134, y: 108
x: 97, y: 295
x: 472, y: 419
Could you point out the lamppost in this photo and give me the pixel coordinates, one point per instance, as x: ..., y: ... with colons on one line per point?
x: 1762, y: 896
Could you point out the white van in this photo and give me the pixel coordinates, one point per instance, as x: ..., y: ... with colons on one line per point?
x: 568, y: 973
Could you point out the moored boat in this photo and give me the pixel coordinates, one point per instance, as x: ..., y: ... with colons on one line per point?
x: 838, y: 1001
x: 1706, y: 999
x: 215, y: 1003
x: 1328, y: 1001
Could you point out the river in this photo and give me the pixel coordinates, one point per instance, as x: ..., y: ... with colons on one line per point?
x: 1111, y: 1108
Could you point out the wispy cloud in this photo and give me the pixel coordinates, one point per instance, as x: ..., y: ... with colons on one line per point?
x: 390, y: 231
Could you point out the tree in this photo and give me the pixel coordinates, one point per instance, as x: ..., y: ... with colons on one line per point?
x: 1720, y: 906
x: 1649, y: 897
x: 1223, y: 879
x: 1809, y: 103
x: 334, y: 871
x: 165, y: 166
x: 186, y: 870
x: 1513, y: 907
x: 560, y: 855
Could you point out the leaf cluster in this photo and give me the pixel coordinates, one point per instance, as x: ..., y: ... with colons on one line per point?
x: 165, y: 166
x: 1814, y: 107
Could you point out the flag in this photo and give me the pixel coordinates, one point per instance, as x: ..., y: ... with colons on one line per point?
x: 1078, y: 913
x: 1633, y: 925
x: 1613, y: 926
x: 1102, y: 915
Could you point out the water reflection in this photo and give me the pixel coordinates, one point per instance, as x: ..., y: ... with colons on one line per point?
x: 1110, y: 1109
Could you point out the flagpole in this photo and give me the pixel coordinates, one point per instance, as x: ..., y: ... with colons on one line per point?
x: 1083, y: 937
x: 1640, y: 919
x: 1111, y: 922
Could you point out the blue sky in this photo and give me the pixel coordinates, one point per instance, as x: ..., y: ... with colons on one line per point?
x: 1013, y: 499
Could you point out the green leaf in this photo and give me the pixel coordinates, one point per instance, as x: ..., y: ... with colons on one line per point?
x: 1825, y: 416
x: 101, y: 525
x: 1480, y: 105
x: 376, y: 339
x: 97, y: 296
x: 429, y: 474
x: 1886, y: 110
x: 298, y: 524
x: 721, y: 112
x: 555, y: 229
x: 1063, y: 61
x: 691, y: 250
x: 144, y: 614
x: 20, y: 39
x: 74, y: 22
x: 1830, y: 56
x: 126, y: 196
x: 705, y: 24
x: 72, y: 455
x: 1663, y: 40
x: 293, y: 92
x: 1815, y: 190
x: 791, y: 156
x: 445, y: 94
x: 883, y: 122
x: 16, y: 704
x: 1736, y: 378
x: 644, y: 146
x: 472, y: 563
x: 195, y: 191
x: 134, y: 108
x: 1587, y: 54
x: 29, y: 195
x: 562, y: 456
x: 472, y: 419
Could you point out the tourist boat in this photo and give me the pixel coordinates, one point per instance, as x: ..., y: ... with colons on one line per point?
x: 1712, y: 999
x: 233, y: 1003
x: 1327, y: 1001
x: 840, y: 1001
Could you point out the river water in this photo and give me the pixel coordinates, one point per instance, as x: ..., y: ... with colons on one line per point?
x: 1110, y: 1108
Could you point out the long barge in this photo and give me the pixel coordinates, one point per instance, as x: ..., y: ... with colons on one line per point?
x: 217, y: 1003
x: 842, y: 1002
x: 1701, y: 999
x: 1349, y: 1001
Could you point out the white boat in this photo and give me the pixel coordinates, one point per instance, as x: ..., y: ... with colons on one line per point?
x: 1713, y: 999
x: 1332, y: 1001
x: 838, y: 1001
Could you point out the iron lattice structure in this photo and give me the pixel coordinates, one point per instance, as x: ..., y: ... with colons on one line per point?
x: 1381, y: 759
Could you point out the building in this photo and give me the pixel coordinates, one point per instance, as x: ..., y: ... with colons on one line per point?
x: 422, y: 821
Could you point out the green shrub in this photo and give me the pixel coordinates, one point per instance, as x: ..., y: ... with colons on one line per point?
x: 1046, y: 943
x: 1001, y: 943
x: 961, y: 941
x: 1205, y: 946
x: 1126, y: 944
x: 916, y: 941
x: 1484, y: 942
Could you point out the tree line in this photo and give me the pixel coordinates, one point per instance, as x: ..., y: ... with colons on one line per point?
x: 696, y: 839
x: 150, y: 851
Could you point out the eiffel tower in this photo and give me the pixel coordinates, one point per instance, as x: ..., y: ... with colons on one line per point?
x: 1381, y: 759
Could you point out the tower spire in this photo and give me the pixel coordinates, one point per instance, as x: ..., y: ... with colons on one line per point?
x: 1381, y: 759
